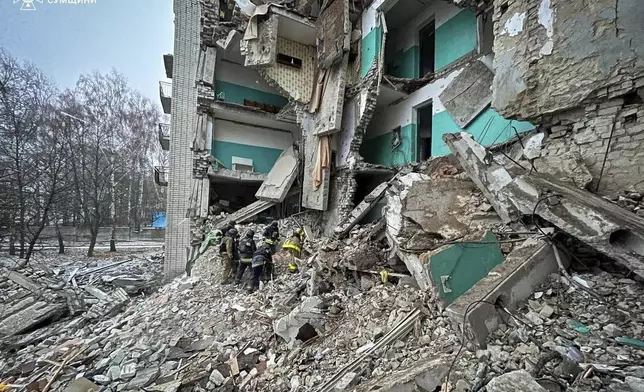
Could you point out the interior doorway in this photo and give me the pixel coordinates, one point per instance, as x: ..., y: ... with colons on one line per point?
x: 427, y: 47
x: 424, y: 118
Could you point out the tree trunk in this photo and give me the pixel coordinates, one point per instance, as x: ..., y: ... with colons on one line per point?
x: 113, y: 208
x: 61, y: 244
x: 139, y: 205
x: 92, y: 241
x: 12, y: 243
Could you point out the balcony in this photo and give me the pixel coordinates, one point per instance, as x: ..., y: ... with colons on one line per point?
x: 161, y: 175
x: 168, y: 62
x: 164, y: 136
x: 165, y: 92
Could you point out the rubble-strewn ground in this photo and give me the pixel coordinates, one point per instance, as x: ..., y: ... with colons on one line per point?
x: 300, y: 330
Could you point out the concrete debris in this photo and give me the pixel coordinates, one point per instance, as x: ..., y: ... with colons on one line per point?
x: 591, y: 219
x: 519, y: 380
x: 281, y: 177
x: 303, y: 323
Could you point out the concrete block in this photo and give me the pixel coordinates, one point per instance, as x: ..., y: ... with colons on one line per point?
x: 512, y: 282
x: 281, y: 177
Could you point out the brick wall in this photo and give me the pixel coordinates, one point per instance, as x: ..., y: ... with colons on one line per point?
x: 547, y: 61
x: 183, y: 125
x: 588, y: 131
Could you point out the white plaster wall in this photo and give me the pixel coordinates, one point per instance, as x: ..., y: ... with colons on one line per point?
x: 407, y: 37
x: 243, y: 76
x: 227, y: 131
x: 402, y: 113
x: 370, y: 17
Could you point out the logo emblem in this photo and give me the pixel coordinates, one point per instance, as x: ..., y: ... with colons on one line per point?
x: 27, y: 5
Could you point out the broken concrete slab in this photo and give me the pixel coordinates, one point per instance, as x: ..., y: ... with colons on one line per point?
x: 30, y: 317
x: 300, y: 320
x: 468, y: 94
x: 82, y: 385
x: 425, y: 375
x: 598, y: 223
x: 23, y: 281
x: 518, y: 380
x: 261, y: 52
x: 333, y: 32
x: 327, y: 119
x: 361, y: 210
x: 511, y: 282
x: 439, y: 205
x: 476, y: 161
x: 280, y: 178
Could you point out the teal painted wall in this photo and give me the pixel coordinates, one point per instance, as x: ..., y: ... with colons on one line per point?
x: 405, y: 64
x: 455, y: 38
x: 263, y: 157
x: 498, y: 131
x: 378, y: 150
x: 465, y: 264
x: 370, y: 49
x: 235, y: 93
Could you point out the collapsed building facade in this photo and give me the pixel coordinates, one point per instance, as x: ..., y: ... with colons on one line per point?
x: 285, y: 107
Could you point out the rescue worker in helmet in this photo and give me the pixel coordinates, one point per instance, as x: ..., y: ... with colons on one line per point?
x: 294, y: 248
x: 247, y: 248
x: 272, y: 235
x: 263, y: 256
x: 229, y: 254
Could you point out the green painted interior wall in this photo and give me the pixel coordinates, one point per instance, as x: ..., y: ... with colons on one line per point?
x: 405, y: 64
x: 498, y: 131
x: 370, y: 49
x: 378, y: 150
x: 235, y: 93
x: 263, y: 157
x: 455, y: 38
x: 464, y: 264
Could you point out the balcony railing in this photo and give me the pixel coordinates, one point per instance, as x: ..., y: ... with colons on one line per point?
x: 164, y: 136
x: 168, y: 62
x: 165, y: 92
x: 161, y: 175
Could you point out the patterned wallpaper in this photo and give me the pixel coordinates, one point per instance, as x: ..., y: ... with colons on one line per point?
x: 297, y: 82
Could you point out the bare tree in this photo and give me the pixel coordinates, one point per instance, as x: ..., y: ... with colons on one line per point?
x: 81, y: 157
x: 25, y: 96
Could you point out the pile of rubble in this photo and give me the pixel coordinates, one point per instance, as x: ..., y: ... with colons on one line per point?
x: 629, y: 200
x: 51, y: 288
x: 571, y: 340
x: 293, y: 334
x: 461, y: 285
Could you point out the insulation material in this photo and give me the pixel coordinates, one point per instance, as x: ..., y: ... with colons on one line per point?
x: 469, y: 94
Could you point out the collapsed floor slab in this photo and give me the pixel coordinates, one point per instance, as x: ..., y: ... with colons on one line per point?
x: 280, y: 178
x: 600, y: 224
x: 510, y: 283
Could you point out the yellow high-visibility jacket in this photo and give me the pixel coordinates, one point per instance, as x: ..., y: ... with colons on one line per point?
x: 294, y: 243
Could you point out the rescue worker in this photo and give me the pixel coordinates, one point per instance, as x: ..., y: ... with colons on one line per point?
x: 247, y: 248
x: 229, y: 254
x: 262, y: 256
x: 272, y: 235
x: 294, y: 248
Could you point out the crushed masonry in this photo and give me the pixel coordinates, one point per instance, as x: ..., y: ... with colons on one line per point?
x: 473, y: 207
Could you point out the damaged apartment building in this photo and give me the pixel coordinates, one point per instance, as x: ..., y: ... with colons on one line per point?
x: 290, y: 106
